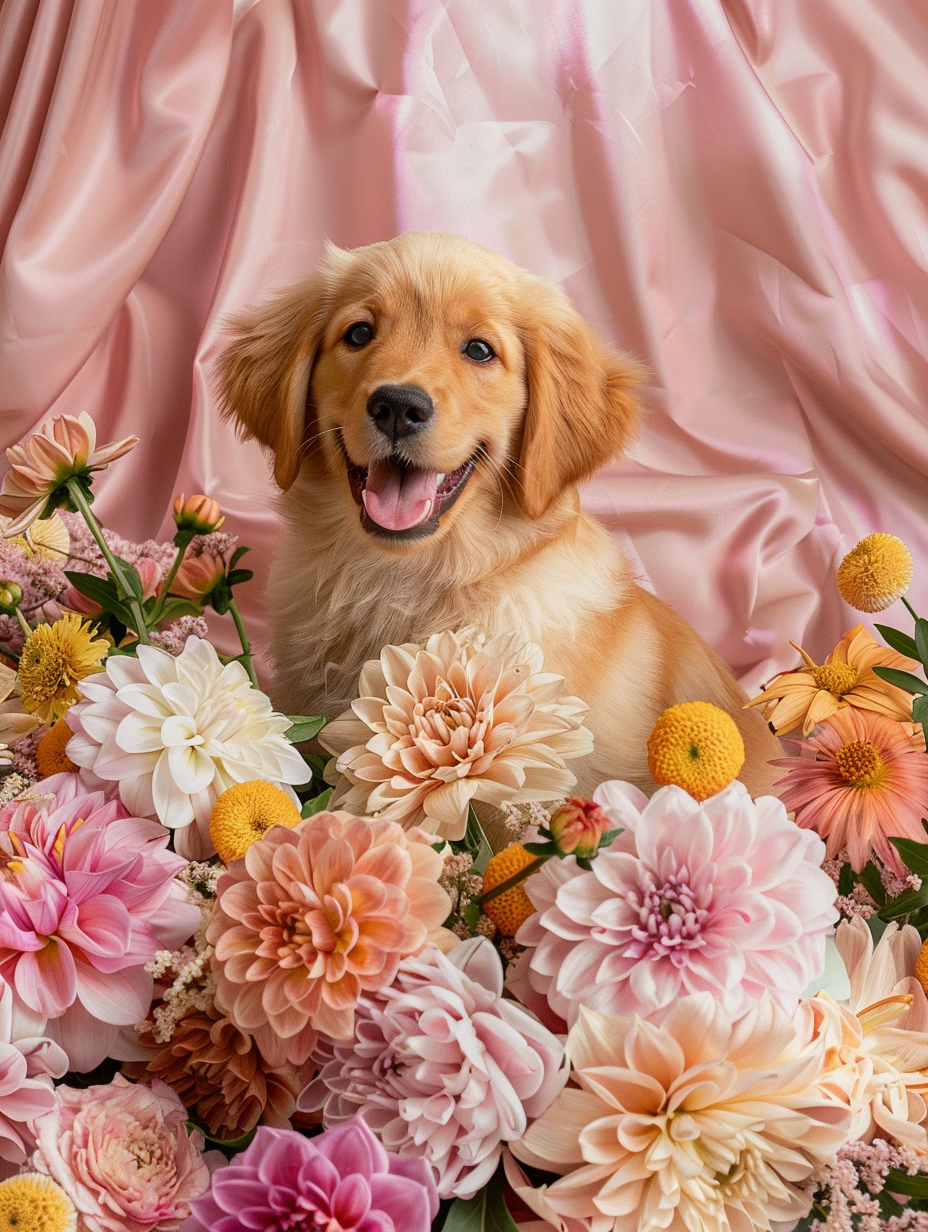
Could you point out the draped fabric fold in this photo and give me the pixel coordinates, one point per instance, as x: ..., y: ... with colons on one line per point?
x: 731, y: 190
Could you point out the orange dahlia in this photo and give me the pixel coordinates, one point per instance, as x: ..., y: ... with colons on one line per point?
x: 313, y: 917
x: 862, y: 779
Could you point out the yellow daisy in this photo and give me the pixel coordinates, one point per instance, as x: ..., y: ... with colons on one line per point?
x: 35, y: 1203
x: 244, y: 813
x: 53, y: 660
x: 814, y: 692
x: 696, y: 746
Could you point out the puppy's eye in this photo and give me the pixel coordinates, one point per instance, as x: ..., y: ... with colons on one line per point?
x: 478, y: 350
x: 359, y: 334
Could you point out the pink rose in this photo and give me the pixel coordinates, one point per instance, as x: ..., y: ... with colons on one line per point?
x: 122, y: 1155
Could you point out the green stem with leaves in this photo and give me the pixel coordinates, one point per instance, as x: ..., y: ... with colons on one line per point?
x: 82, y: 505
x: 182, y: 539
x: 23, y: 623
x: 245, y: 657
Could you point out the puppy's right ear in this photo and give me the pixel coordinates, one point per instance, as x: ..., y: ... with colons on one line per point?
x: 265, y: 371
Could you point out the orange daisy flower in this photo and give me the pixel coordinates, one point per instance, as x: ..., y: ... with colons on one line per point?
x: 862, y: 781
x: 816, y: 691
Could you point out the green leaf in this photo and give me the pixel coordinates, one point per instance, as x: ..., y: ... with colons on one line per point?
x: 174, y: 608
x: 220, y: 597
x: 237, y: 556
x: 902, y: 680
x: 898, y: 640
x: 921, y: 640
x: 900, y: 1182
x: 228, y: 1144
x: 317, y: 805
x: 484, y: 1212
x: 541, y: 849
x: 907, y: 902
x: 237, y: 576
x: 869, y: 878
x: 914, y: 855
x: 136, y: 590
x: 102, y: 591
x: 475, y: 841
x: 920, y: 709
x: 845, y: 880
x: 304, y: 727
x: 470, y: 915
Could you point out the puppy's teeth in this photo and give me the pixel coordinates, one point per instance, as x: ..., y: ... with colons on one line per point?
x: 428, y: 512
x: 439, y: 479
x: 364, y: 496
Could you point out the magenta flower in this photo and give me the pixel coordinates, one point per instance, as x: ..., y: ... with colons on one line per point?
x: 342, y: 1179
x: 726, y: 897
x: 88, y: 896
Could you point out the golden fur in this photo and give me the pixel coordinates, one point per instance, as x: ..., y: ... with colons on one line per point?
x: 515, y: 551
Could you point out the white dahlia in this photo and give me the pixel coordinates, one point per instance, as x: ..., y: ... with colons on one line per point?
x: 458, y: 719
x: 174, y: 733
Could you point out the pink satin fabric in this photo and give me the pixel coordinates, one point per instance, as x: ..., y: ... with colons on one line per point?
x: 732, y: 190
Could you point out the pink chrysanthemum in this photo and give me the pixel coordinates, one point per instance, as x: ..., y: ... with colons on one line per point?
x: 726, y: 897
x: 314, y: 916
x: 88, y: 895
x: 443, y: 1067
x: 862, y: 780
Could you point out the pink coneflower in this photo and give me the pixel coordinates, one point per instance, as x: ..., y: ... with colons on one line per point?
x: 862, y: 780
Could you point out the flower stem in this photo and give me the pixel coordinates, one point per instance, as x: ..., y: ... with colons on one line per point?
x: 172, y: 574
x: 513, y: 880
x: 246, y: 646
x: 23, y: 623
x: 912, y: 611
x: 79, y: 498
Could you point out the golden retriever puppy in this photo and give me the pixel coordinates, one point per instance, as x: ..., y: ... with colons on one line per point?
x: 432, y: 409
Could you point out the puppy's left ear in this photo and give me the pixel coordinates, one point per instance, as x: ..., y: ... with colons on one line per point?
x: 264, y: 373
x: 580, y: 412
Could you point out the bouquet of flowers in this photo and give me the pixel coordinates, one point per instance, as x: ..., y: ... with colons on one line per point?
x: 250, y: 984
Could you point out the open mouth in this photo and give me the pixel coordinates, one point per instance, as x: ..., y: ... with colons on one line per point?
x: 401, y: 501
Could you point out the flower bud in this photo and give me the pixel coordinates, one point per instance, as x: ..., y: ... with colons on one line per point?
x: 11, y: 595
x: 198, y: 513
x: 150, y: 573
x: 197, y: 576
x: 577, y: 826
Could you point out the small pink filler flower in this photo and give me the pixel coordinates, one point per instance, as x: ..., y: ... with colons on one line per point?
x: 122, y: 1154
x: 314, y: 916
x: 726, y: 897
x: 341, y: 1181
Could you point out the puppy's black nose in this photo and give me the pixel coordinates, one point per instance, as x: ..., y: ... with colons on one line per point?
x: 400, y: 410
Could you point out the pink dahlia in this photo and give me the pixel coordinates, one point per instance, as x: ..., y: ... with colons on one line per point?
x: 862, y: 781
x: 88, y: 895
x: 442, y: 1067
x: 341, y: 1181
x: 28, y: 1063
x: 314, y: 916
x: 122, y: 1154
x: 726, y: 897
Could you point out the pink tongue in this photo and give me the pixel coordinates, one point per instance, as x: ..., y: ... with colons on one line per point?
x: 397, y: 499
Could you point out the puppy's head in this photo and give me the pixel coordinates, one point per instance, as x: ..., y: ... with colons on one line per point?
x: 423, y: 376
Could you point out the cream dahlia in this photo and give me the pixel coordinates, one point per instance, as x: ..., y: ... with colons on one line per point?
x: 877, y: 1046
x: 695, y: 1124
x: 174, y: 733
x: 443, y: 1067
x: 726, y: 897
x: 314, y: 916
x: 455, y: 720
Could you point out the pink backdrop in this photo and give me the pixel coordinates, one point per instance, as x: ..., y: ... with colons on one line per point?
x: 733, y: 190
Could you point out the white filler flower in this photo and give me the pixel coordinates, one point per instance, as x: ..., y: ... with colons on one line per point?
x: 174, y: 733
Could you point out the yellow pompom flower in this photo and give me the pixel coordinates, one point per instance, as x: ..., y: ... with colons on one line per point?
x: 35, y: 1203
x: 53, y: 660
x: 698, y: 747
x: 876, y: 573
x: 244, y: 813
x: 511, y: 909
x: 50, y: 755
